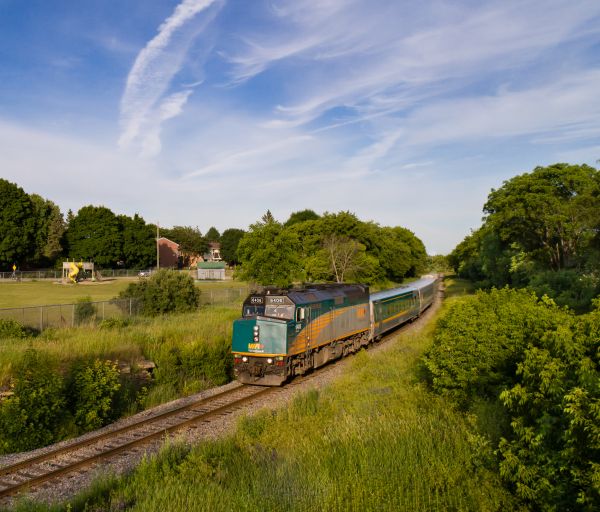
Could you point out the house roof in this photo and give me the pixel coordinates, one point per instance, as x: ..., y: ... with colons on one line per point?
x: 211, y: 264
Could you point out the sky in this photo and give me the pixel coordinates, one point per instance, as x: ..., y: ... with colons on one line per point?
x: 209, y: 112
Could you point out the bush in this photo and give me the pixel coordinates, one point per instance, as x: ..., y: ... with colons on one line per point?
x: 85, y: 310
x: 12, y: 329
x: 166, y: 291
x: 538, y: 367
x: 114, y: 323
x: 480, y: 341
x: 92, y: 390
x: 33, y: 416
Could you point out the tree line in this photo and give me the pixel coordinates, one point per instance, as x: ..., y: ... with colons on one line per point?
x: 34, y: 233
x: 307, y: 247
x: 541, y: 230
x: 331, y: 247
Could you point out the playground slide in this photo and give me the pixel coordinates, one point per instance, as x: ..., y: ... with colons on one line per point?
x: 74, y: 271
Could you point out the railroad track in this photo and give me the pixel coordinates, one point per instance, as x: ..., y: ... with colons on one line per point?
x: 32, y: 472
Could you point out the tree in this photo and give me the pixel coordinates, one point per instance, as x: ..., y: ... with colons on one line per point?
x: 166, y: 291
x: 50, y: 228
x: 551, y: 213
x: 190, y: 240
x: 347, y: 257
x: 269, y: 254
x: 212, y: 235
x: 95, y: 234
x: 17, y: 224
x: 230, y: 240
x: 301, y: 216
x: 139, y: 242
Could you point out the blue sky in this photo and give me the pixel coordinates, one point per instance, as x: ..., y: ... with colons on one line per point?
x: 210, y: 112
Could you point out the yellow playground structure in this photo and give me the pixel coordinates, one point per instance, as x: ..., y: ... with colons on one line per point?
x: 71, y: 270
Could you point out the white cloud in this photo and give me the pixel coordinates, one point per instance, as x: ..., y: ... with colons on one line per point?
x: 152, y: 73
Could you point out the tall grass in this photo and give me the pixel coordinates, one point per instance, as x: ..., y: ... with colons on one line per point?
x: 374, y: 440
x: 152, y: 338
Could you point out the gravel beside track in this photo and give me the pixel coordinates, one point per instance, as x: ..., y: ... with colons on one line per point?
x: 61, y: 489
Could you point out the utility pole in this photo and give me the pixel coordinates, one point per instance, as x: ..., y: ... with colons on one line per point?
x: 157, y: 248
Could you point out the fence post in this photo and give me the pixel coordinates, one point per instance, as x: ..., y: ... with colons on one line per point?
x: 41, y: 318
x: 103, y: 304
x: 130, y: 299
x: 72, y: 315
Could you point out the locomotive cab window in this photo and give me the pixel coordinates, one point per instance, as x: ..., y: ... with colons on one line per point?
x: 278, y: 311
x: 253, y: 311
x: 300, y: 314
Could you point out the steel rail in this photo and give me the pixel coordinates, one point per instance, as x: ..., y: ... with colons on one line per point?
x: 36, y: 480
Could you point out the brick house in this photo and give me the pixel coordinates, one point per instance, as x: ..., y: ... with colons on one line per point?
x: 168, y: 252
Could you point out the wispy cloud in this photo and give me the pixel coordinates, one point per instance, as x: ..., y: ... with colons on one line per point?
x: 142, y: 112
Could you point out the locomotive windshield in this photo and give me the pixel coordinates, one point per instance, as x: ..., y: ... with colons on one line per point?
x: 277, y: 311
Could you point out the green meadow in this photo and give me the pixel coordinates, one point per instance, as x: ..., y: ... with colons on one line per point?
x: 38, y: 293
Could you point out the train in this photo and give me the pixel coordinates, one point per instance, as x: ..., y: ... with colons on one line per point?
x: 288, y: 332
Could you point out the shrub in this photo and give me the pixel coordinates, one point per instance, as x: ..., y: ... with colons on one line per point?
x: 92, y: 390
x: 114, y: 323
x: 85, y: 310
x: 166, y: 291
x: 33, y: 416
x: 12, y: 329
x: 480, y: 341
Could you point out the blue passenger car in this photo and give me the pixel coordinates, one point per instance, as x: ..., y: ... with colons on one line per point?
x: 391, y: 308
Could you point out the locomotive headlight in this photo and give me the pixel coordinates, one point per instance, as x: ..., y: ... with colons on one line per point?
x: 245, y: 359
x: 270, y: 361
x: 256, y: 329
x: 256, y: 338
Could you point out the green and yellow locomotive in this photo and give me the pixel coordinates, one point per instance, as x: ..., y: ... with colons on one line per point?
x: 287, y: 332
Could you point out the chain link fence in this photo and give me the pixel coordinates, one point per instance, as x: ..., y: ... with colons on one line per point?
x: 70, y: 315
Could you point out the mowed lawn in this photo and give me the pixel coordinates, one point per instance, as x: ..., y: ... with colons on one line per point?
x: 41, y: 293
x: 38, y: 293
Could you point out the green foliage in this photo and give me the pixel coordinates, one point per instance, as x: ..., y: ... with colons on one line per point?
x: 212, y: 235
x: 49, y: 230
x: 541, y: 231
x: 333, y: 247
x: 538, y: 367
x: 479, y: 342
x: 190, y: 239
x: 166, y: 291
x: 230, y: 240
x: 139, y: 242
x: 269, y: 253
x: 11, y: 329
x: 85, y: 310
x: 17, y: 224
x: 92, y: 390
x: 34, y: 415
x: 95, y: 234
x: 301, y: 216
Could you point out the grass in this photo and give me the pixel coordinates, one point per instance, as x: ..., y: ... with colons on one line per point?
x: 376, y: 439
x: 152, y: 338
x: 37, y: 293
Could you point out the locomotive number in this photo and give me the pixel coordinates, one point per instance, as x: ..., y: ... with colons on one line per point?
x: 256, y: 300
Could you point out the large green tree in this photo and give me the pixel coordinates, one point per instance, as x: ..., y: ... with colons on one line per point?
x: 230, y: 240
x: 212, y: 235
x: 50, y: 228
x: 269, y: 254
x: 139, y: 242
x: 190, y: 239
x: 541, y: 230
x: 95, y: 234
x: 552, y: 213
x: 17, y: 225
